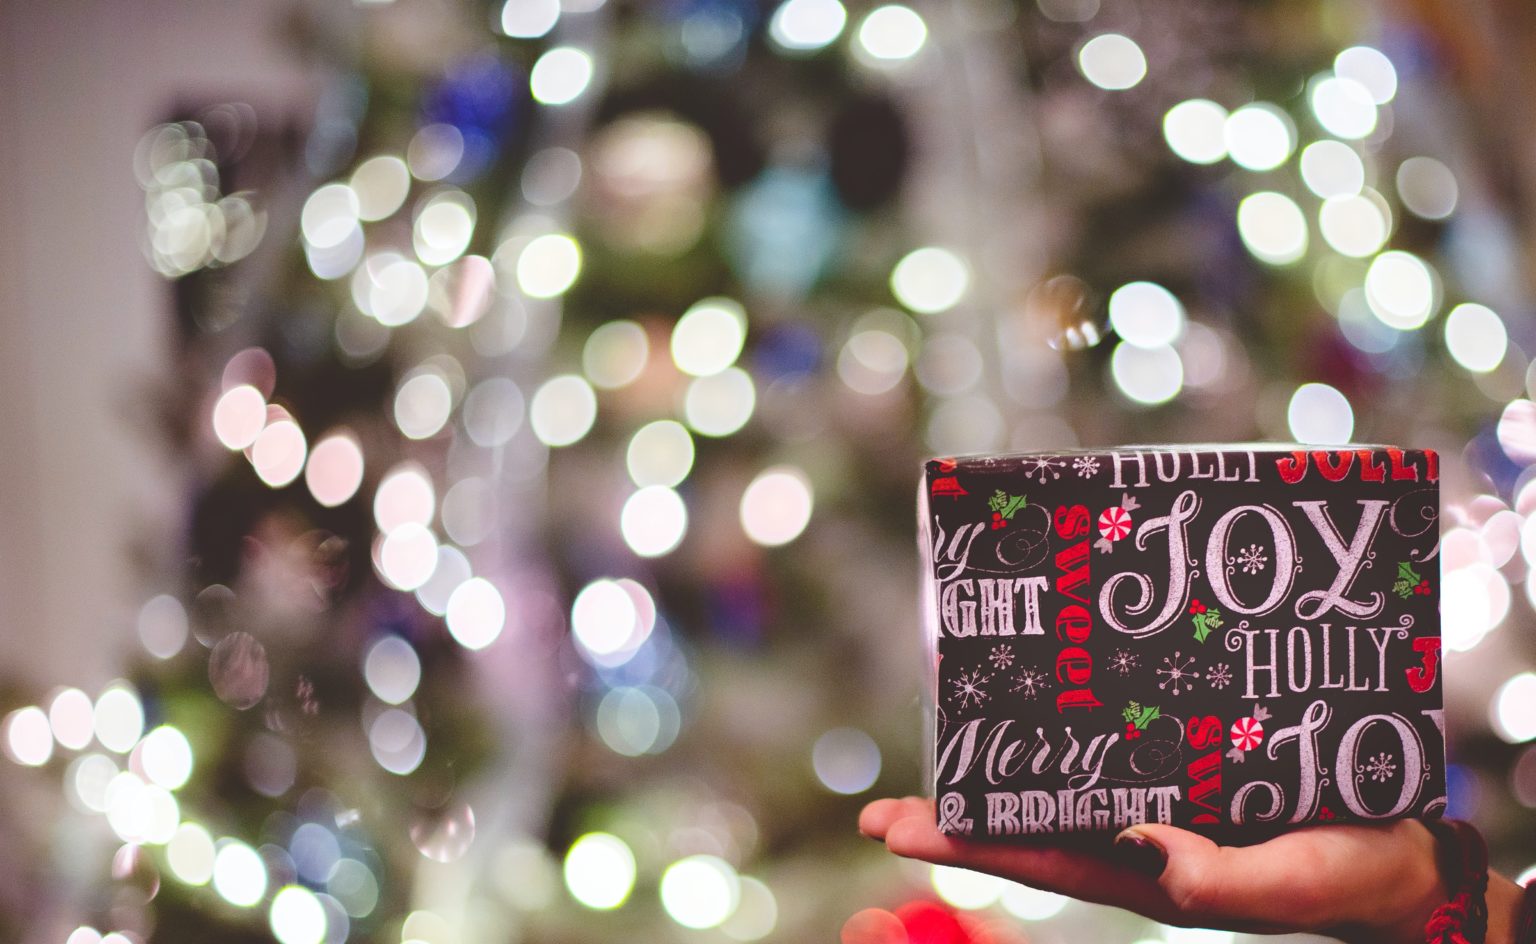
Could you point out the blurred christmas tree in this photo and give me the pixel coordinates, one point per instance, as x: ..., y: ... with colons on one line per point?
x: 554, y: 401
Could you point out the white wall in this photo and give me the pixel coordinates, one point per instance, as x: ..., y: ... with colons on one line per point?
x: 84, y: 322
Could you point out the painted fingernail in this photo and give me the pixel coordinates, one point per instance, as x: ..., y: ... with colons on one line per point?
x: 1141, y: 854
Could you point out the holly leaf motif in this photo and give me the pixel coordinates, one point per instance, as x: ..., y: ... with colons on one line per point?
x: 1147, y: 716
x: 1132, y: 712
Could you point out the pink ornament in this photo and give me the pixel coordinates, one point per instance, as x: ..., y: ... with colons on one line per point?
x: 1115, y: 523
x: 1247, y: 734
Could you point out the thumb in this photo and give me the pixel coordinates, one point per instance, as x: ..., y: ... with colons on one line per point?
x: 1185, y: 864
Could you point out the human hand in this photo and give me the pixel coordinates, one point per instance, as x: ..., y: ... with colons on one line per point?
x: 1372, y: 883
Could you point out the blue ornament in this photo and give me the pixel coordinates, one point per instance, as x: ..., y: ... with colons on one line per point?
x: 783, y: 230
x: 482, y: 97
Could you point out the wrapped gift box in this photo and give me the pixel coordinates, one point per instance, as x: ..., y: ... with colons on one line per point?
x: 1232, y: 639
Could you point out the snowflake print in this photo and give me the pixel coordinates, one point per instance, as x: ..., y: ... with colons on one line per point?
x: 1030, y: 682
x: 1219, y: 675
x: 1379, y: 767
x: 1001, y: 657
x: 970, y: 690
x: 1043, y: 466
x: 1086, y: 467
x: 1124, y: 660
x: 1178, y: 673
x: 1251, y: 558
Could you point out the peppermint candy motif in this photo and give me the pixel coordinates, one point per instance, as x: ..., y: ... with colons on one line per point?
x: 1247, y: 734
x: 1115, y: 523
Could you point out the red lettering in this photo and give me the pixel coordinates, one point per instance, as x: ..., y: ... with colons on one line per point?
x: 1421, y: 677
x: 1073, y: 564
x: 1205, y: 732
x: 1071, y: 522
x: 1336, y: 467
x: 1206, y: 774
x: 1431, y: 465
x: 1073, y: 623
x: 1370, y: 469
x: 1293, y: 468
x: 1077, y: 698
x: 1074, y: 666
x: 1401, y: 472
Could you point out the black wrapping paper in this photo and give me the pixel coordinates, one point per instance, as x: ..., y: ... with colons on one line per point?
x: 1230, y: 639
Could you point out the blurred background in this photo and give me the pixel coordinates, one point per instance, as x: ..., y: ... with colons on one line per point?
x: 460, y: 455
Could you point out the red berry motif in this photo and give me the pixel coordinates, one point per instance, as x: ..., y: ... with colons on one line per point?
x: 1422, y: 589
x: 1196, y: 607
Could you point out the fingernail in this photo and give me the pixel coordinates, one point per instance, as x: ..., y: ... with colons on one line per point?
x: 1141, y: 854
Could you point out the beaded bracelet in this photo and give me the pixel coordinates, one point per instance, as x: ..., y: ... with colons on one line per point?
x: 1463, y: 860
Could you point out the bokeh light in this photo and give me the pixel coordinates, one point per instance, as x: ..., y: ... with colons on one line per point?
x: 166, y: 757
x: 930, y: 280
x: 1332, y: 169
x: 700, y: 891
x: 615, y: 354
x: 892, y: 33
x: 600, y: 871
x: 720, y: 404
x: 422, y: 404
x: 163, y: 626
x: 238, y: 416
x: 1355, y: 225
x: 708, y: 337
x: 1427, y: 188
x: 407, y: 556
x: 1031, y: 904
x: 296, y: 916
x: 1147, y: 376
x: 1320, y: 414
x: 560, y: 75
x: 118, y: 719
x: 965, y: 889
x: 563, y: 410
x: 476, y: 613
x: 1475, y: 337
x: 1196, y: 131
x: 1371, y: 68
x: 28, y: 740
x: 1343, y: 107
x: 653, y: 521
x: 1259, y: 136
x: 239, y: 875
x: 381, y: 185
x: 529, y: 19
x: 548, y: 265
x: 846, y: 760
x: 493, y: 412
x: 404, y: 496
x: 392, y: 670
x: 776, y: 506
x: 660, y: 453
x: 1272, y: 227
x: 71, y: 717
x: 802, y: 26
x: 1146, y: 314
x: 1112, y: 61
x: 278, y: 453
x: 756, y: 914
x: 190, y: 854
x: 334, y: 471
x: 604, y: 618
x: 397, y: 741
x: 1401, y: 290
x: 1513, y: 710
